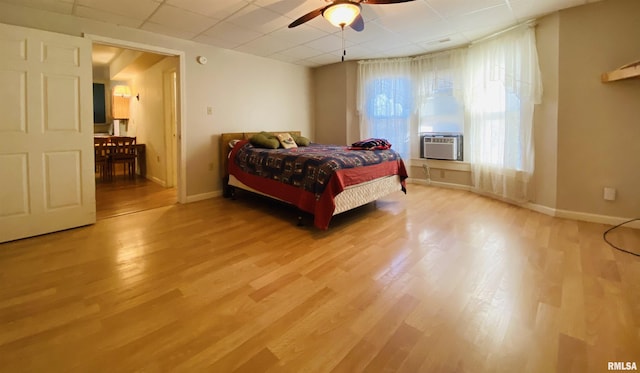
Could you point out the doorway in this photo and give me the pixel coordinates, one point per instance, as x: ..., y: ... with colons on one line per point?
x: 154, y: 121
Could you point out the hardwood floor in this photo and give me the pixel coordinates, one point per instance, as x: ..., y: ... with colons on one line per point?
x: 433, y: 281
x: 125, y: 195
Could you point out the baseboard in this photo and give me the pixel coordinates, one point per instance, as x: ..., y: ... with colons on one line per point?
x: 157, y: 181
x: 566, y: 214
x: 203, y: 196
x: 540, y: 208
x: 439, y: 184
x: 596, y: 218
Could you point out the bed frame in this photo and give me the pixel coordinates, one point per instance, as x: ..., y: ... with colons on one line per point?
x: 350, y: 198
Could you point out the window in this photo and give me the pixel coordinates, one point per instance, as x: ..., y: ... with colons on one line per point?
x: 503, y: 85
x: 501, y: 129
x: 388, y: 111
x: 442, y: 112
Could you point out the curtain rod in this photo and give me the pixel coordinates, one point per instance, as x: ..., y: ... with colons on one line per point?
x: 529, y: 23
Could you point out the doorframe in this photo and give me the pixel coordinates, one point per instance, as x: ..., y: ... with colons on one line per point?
x: 181, y: 89
x: 169, y: 87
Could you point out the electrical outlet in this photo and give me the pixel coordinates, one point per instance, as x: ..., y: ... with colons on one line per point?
x: 609, y: 194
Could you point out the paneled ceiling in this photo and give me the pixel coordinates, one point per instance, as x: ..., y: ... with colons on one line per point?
x: 259, y: 27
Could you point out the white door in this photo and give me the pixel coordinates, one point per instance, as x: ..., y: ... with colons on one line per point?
x: 47, y: 180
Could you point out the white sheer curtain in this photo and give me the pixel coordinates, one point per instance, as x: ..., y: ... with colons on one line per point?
x: 431, y: 70
x: 502, y: 85
x: 385, y: 102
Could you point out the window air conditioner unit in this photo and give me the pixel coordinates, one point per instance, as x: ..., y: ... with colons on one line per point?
x: 447, y: 147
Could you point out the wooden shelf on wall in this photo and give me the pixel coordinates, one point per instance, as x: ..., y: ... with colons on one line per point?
x: 630, y: 70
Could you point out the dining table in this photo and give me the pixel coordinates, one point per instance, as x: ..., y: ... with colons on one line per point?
x: 141, y: 160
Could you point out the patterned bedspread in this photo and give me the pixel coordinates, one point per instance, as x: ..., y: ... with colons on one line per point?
x: 309, y: 167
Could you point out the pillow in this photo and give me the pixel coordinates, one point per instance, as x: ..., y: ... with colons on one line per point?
x: 233, y: 143
x: 286, y: 140
x: 261, y: 141
x: 268, y: 135
x: 371, y: 144
x: 301, y: 140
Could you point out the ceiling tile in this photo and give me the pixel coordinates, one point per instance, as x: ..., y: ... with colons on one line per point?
x: 382, y: 48
x: 100, y: 15
x: 452, y: 8
x: 182, y: 20
x: 231, y: 33
x: 258, y: 19
x: 323, y: 59
x: 358, y: 52
x: 299, y: 35
x: 300, y: 52
x: 445, y: 42
x: 495, y: 18
x: 290, y: 8
x: 328, y: 44
x: 372, y: 31
x: 215, y: 9
x: 413, y: 13
x: 58, y: 6
x: 165, y: 30
x: 404, y: 50
x: 284, y: 58
x: 104, y: 54
x: 216, y: 42
x: 138, y: 9
x: 421, y: 31
x: 265, y: 46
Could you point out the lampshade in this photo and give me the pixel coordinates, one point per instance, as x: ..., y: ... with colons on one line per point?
x: 122, y: 91
x: 341, y: 14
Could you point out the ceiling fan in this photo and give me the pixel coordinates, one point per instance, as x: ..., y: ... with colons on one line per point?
x: 343, y: 13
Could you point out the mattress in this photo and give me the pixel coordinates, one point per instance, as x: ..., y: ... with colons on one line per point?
x: 352, y: 196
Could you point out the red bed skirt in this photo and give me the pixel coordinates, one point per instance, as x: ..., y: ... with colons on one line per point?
x: 322, y: 207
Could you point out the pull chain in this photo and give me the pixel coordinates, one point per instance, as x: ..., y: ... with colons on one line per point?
x: 344, y: 49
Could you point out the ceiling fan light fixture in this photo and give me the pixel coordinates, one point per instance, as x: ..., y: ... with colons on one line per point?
x: 341, y: 14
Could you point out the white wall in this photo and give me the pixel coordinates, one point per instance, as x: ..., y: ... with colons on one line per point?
x: 331, y: 104
x: 336, y: 116
x: 147, y: 122
x: 598, y: 123
x: 247, y: 93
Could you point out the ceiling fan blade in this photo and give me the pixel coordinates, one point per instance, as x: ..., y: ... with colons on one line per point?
x: 307, y: 17
x: 358, y: 23
x: 375, y: 2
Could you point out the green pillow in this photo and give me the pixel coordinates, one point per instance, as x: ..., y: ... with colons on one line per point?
x: 268, y: 135
x: 261, y: 141
x: 301, y: 140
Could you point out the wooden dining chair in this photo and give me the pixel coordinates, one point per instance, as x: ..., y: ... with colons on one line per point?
x: 123, y: 151
x: 103, y: 166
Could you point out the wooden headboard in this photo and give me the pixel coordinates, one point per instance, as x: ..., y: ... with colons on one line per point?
x: 224, y: 146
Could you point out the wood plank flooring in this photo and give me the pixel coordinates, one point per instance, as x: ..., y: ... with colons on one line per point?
x: 125, y: 195
x: 433, y: 281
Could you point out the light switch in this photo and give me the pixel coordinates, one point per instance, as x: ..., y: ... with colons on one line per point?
x: 209, y: 110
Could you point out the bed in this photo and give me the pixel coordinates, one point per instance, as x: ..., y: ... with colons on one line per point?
x: 323, y: 180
